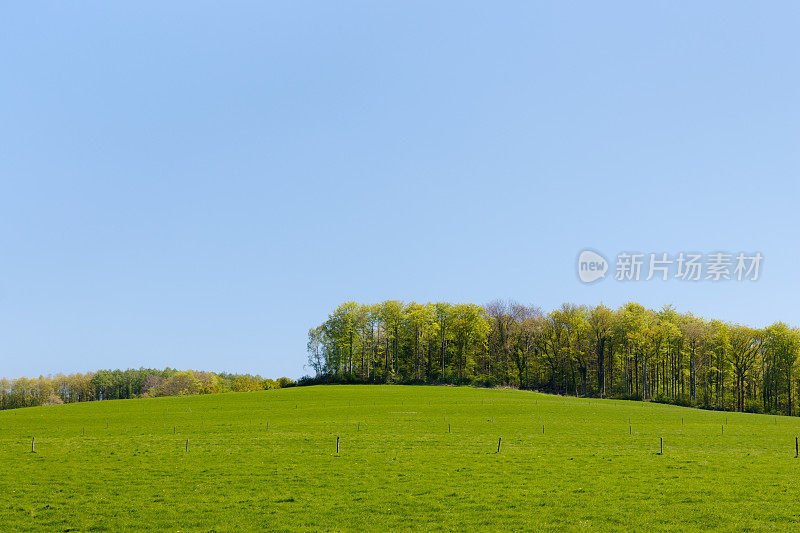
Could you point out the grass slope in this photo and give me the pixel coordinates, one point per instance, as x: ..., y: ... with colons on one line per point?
x: 268, y: 460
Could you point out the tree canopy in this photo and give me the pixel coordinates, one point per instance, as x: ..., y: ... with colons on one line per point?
x: 124, y: 384
x: 631, y: 352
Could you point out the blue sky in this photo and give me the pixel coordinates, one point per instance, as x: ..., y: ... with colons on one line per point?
x: 196, y: 184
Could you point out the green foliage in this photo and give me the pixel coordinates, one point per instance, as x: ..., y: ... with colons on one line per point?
x: 247, y: 383
x: 285, y: 382
x: 125, y: 384
x: 633, y: 352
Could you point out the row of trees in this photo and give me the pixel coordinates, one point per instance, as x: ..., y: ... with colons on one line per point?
x: 631, y: 352
x: 123, y: 384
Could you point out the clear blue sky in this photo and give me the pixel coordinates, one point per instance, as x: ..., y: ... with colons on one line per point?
x: 196, y: 184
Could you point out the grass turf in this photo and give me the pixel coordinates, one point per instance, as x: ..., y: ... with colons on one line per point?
x: 410, y: 457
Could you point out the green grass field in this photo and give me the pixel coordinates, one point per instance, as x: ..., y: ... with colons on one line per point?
x: 268, y: 460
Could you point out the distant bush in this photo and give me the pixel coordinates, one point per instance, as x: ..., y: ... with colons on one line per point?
x: 635, y: 397
x: 247, y: 383
x: 322, y: 379
x: 53, y: 399
x: 286, y: 382
x: 125, y: 384
x: 752, y: 406
x: 485, y: 382
x: 269, y: 384
x: 182, y: 383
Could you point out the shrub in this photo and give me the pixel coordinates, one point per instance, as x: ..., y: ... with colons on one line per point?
x: 752, y: 406
x: 53, y: 399
x: 286, y: 382
x: 247, y: 383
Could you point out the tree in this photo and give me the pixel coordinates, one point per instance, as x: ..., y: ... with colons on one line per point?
x: 743, y: 345
x: 314, y: 349
x: 601, y: 328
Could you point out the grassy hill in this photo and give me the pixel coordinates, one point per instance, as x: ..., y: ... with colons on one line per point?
x: 410, y: 457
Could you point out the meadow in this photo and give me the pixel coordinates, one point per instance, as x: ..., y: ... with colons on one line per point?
x: 409, y: 458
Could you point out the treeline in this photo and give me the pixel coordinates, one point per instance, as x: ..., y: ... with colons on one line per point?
x: 631, y: 352
x: 124, y: 384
